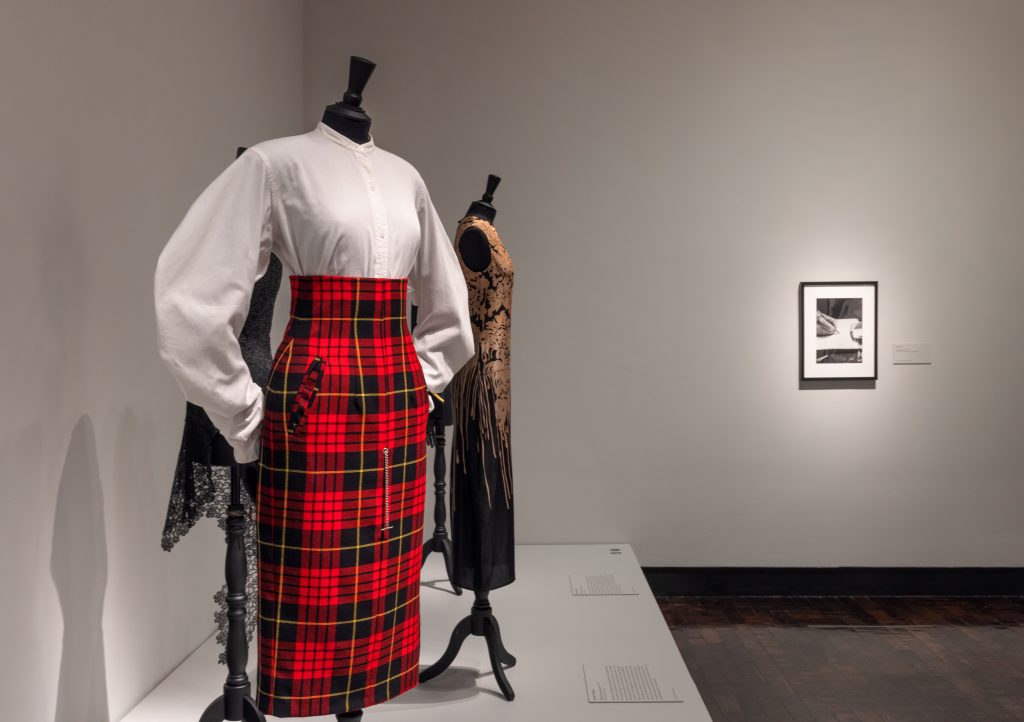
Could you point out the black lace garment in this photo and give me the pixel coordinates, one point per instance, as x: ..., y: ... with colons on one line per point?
x: 202, y: 477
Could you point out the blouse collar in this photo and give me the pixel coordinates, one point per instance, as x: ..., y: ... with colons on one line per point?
x: 345, y: 141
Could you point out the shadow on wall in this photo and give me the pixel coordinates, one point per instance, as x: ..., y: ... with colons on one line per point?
x: 79, y: 570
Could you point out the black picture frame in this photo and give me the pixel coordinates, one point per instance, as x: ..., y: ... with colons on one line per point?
x: 850, y: 353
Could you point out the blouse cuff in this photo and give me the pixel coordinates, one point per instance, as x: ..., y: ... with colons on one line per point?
x: 242, y: 431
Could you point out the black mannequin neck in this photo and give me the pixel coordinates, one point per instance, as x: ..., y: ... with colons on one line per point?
x: 351, y: 122
x: 482, y: 210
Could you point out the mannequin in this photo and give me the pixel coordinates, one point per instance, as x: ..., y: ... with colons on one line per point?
x: 339, y: 514
x: 482, y: 526
x: 348, y: 118
x: 347, y: 115
x: 481, y: 499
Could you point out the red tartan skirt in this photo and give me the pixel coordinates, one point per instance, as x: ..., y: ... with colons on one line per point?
x: 339, y: 507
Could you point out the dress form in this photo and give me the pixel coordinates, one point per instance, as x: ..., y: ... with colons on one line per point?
x: 474, y: 397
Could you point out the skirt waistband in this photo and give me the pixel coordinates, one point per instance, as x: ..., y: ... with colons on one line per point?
x: 345, y: 305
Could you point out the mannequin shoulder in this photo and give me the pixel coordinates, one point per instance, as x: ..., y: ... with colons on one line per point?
x: 474, y: 248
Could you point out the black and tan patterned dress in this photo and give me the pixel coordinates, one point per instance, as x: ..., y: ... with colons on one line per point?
x: 481, y: 489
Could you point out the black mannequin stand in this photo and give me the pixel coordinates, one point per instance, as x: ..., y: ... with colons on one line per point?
x: 439, y: 542
x: 481, y: 622
x: 436, y: 421
x: 236, y: 704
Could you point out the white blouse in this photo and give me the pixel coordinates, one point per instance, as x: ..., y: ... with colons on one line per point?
x: 325, y: 205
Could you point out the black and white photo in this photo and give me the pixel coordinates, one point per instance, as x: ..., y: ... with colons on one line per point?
x: 839, y: 330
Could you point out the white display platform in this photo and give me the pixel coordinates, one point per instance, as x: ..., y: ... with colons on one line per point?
x: 552, y: 633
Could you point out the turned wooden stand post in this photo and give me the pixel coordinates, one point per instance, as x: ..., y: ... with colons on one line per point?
x: 236, y: 704
x: 439, y: 542
x: 436, y: 421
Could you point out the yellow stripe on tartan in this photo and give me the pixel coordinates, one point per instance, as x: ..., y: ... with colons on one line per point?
x: 398, y: 573
x: 284, y: 529
x: 344, y: 471
x: 342, y: 393
x: 340, y: 549
x: 359, y: 507
x: 393, y: 610
x: 259, y: 487
x: 335, y: 694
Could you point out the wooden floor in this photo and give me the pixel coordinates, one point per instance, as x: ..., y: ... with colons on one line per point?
x: 853, y: 659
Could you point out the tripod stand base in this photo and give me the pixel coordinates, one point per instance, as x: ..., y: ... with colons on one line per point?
x: 482, y: 623
x: 217, y: 711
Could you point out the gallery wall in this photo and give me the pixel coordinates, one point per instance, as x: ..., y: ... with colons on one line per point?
x: 673, y: 171
x: 115, y: 115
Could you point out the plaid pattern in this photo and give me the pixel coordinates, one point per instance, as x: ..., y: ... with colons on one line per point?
x: 342, y: 477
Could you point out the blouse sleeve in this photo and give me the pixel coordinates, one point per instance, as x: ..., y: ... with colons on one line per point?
x: 443, y: 334
x: 202, y: 288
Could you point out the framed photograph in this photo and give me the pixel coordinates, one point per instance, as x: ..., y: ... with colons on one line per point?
x: 839, y: 331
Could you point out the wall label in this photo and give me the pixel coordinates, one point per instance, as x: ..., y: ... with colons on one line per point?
x: 911, y: 353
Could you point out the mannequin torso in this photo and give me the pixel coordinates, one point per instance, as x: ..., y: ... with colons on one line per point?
x: 473, y: 245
